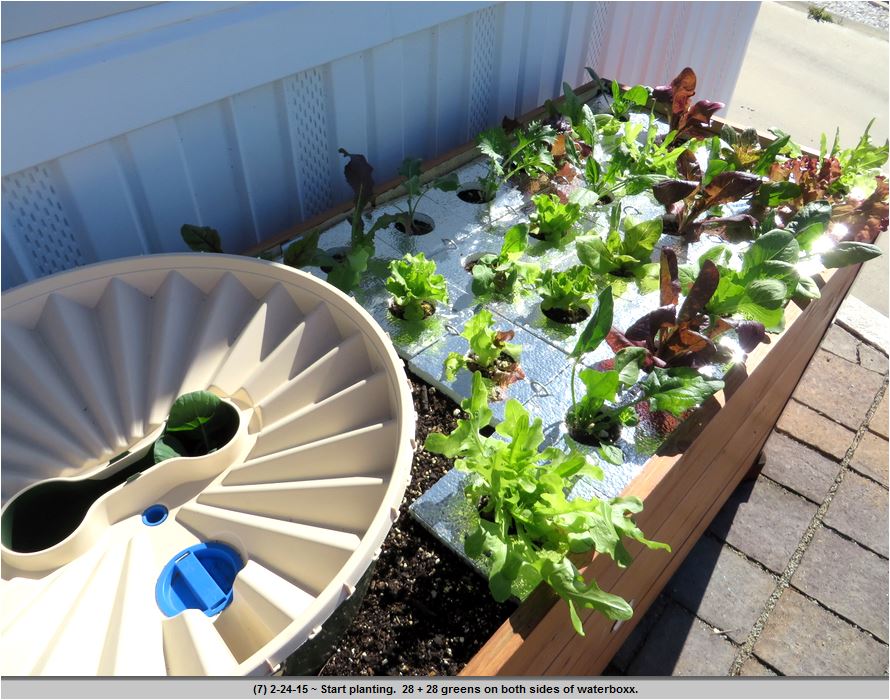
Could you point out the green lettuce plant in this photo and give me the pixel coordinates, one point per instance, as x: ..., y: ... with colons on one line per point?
x: 503, y: 274
x: 552, y: 220
x: 415, y: 287
x: 490, y: 353
x: 566, y: 294
x: 625, y: 252
x: 524, y: 152
x: 528, y: 529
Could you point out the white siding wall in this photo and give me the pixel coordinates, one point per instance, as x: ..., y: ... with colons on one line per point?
x: 117, y: 131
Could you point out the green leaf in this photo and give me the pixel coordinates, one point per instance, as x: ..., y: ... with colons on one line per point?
x: 677, y: 390
x: 345, y: 275
x: 600, y: 385
x: 715, y: 167
x: 807, y: 287
x: 611, y: 453
x: 598, y: 327
x: 201, y: 239
x: 640, y: 238
x: 167, y: 447
x: 302, y: 252
x: 849, y: 253
x: 637, y: 95
x: 810, y: 223
x: 447, y: 183
x: 628, y: 363
x: 777, y: 244
x: 515, y: 242
x: 768, y: 155
x: 567, y: 581
x: 768, y: 293
x: 772, y: 194
x: 192, y: 410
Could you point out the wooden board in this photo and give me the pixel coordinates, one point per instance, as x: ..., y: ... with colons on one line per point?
x: 682, y: 494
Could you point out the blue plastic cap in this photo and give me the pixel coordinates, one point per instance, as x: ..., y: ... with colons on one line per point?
x: 200, y: 577
x: 154, y: 515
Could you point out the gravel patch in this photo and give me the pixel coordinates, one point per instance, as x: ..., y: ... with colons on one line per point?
x: 870, y: 13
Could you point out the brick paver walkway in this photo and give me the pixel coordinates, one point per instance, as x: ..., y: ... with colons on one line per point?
x: 791, y: 578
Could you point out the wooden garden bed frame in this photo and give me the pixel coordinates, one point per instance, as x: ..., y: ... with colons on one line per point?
x: 682, y: 493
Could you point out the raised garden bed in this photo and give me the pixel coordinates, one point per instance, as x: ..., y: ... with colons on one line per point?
x: 683, y: 481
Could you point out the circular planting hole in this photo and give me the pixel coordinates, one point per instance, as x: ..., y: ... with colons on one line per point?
x: 606, y: 199
x: 420, y: 225
x: 470, y: 261
x: 154, y: 515
x: 338, y: 254
x: 604, y: 428
x: 474, y: 194
x: 566, y: 316
x: 429, y: 308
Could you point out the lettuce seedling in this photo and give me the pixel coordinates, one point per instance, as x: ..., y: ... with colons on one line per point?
x: 860, y: 165
x: 415, y: 287
x: 672, y: 338
x: 524, y: 152
x: 597, y: 418
x: 742, y: 151
x: 566, y: 295
x: 624, y: 102
x: 610, y: 396
x: 490, y: 353
x: 503, y: 274
x: 416, y: 191
x: 345, y: 269
x: 552, y: 220
x: 625, y: 255
x: 527, y: 527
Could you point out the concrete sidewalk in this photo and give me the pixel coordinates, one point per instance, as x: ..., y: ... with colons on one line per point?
x: 807, y: 78
x: 791, y: 578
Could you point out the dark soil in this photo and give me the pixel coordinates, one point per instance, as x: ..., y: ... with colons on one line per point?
x: 426, y: 612
x: 473, y: 196
x: 429, y: 308
x: 503, y: 372
x: 338, y: 257
x: 419, y: 227
x: 607, y: 430
x: 567, y: 316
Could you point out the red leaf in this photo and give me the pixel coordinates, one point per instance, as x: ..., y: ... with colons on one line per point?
x: 702, y: 290
x: 866, y: 219
x: 683, y: 88
x: 358, y: 175
x: 669, y: 191
x: 669, y: 278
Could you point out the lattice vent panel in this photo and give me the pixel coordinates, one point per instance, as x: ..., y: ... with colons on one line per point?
x: 482, y: 69
x: 597, y: 37
x: 306, y: 100
x: 38, y: 217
